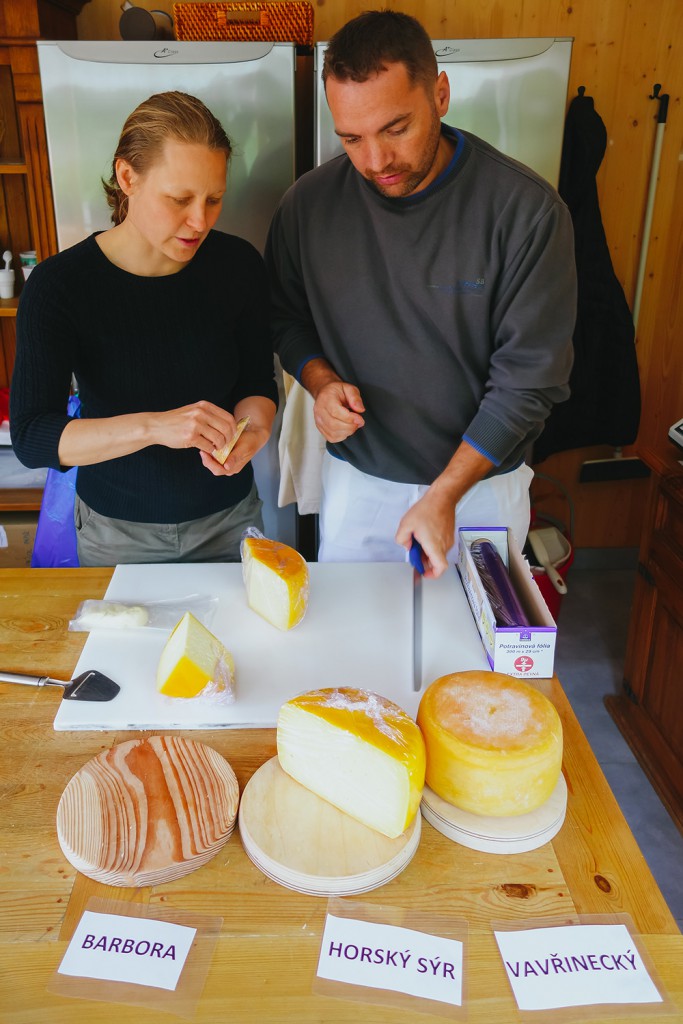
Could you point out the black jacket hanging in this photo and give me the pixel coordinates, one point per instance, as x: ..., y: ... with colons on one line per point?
x: 604, y: 406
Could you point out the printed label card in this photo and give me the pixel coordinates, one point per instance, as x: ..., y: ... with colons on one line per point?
x: 134, y: 949
x: 595, y: 962
x: 392, y: 956
x: 135, y: 953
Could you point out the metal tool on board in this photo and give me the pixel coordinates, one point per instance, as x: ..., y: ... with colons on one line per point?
x: 88, y: 686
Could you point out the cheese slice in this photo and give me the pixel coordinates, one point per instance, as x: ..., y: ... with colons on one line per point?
x: 191, y: 659
x: 221, y: 454
x: 276, y: 578
x: 357, y: 750
x: 494, y: 744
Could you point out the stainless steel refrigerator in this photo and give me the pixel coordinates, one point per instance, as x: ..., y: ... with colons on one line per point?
x: 510, y: 92
x: 89, y: 88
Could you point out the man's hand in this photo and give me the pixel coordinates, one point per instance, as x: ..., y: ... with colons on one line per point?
x: 431, y: 520
x: 337, y: 405
x: 337, y: 411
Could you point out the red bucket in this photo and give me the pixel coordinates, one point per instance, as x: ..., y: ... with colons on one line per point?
x: 562, y: 559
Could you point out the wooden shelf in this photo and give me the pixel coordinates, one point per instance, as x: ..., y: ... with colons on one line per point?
x: 8, y: 307
x: 13, y: 168
x: 20, y: 499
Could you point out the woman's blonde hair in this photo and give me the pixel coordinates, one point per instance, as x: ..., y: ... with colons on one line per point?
x: 164, y: 116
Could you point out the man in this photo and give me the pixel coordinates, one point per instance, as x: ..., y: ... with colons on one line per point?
x: 424, y: 294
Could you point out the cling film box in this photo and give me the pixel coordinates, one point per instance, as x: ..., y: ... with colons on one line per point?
x: 521, y: 651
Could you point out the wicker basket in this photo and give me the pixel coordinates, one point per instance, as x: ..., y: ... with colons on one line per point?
x: 281, y: 21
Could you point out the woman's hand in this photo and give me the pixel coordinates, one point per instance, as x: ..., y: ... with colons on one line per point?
x: 201, y: 425
x: 261, y: 413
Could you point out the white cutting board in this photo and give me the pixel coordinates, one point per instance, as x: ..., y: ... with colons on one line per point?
x: 357, y: 631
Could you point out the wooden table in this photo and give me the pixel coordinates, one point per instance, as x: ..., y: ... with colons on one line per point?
x: 265, y: 959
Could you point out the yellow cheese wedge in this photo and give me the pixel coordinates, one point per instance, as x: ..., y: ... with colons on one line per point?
x: 357, y: 750
x: 276, y: 578
x: 192, y: 658
x: 494, y: 744
x: 221, y: 454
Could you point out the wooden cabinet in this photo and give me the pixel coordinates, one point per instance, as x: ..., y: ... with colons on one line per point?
x: 650, y: 710
x: 26, y: 206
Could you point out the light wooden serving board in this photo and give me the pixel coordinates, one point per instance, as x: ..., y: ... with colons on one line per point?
x: 517, y: 834
x: 147, y: 811
x: 306, y: 844
x: 357, y: 631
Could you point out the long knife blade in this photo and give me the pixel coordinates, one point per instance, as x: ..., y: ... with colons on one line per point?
x: 417, y: 631
x: 415, y: 559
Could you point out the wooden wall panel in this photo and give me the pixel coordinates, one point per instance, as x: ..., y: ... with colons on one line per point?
x: 621, y: 48
x: 8, y: 344
x: 40, y: 194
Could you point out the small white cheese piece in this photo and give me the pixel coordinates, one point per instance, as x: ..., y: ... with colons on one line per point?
x: 110, y: 615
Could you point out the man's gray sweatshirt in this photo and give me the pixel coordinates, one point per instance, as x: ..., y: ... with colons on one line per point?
x: 452, y: 310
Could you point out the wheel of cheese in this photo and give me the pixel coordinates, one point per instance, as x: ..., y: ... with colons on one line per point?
x: 494, y: 744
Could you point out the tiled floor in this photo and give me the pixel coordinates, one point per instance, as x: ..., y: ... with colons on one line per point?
x: 591, y: 642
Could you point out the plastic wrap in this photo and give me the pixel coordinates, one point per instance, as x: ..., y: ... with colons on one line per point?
x: 56, y: 546
x: 221, y: 688
x: 93, y: 614
x: 497, y: 584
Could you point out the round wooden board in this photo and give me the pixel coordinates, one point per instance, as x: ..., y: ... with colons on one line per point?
x: 498, y: 835
x: 304, y: 843
x: 147, y: 811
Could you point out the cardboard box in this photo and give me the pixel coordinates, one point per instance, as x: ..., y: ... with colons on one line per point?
x: 525, y: 651
x: 17, y: 537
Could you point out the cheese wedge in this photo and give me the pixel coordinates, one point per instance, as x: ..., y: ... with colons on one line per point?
x: 494, y: 744
x: 192, y: 658
x: 357, y: 750
x: 221, y: 454
x: 276, y: 578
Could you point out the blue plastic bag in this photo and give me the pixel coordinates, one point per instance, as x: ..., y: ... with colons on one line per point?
x: 55, y: 545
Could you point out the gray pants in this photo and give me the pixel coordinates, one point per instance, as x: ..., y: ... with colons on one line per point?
x: 214, y: 538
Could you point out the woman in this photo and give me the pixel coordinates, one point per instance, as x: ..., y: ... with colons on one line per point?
x: 164, y: 324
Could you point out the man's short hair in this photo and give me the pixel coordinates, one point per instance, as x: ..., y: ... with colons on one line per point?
x: 367, y: 44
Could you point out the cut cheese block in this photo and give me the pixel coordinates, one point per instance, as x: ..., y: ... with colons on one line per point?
x: 221, y: 454
x: 276, y: 578
x: 357, y: 750
x: 494, y: 744
x: 192, y: 658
